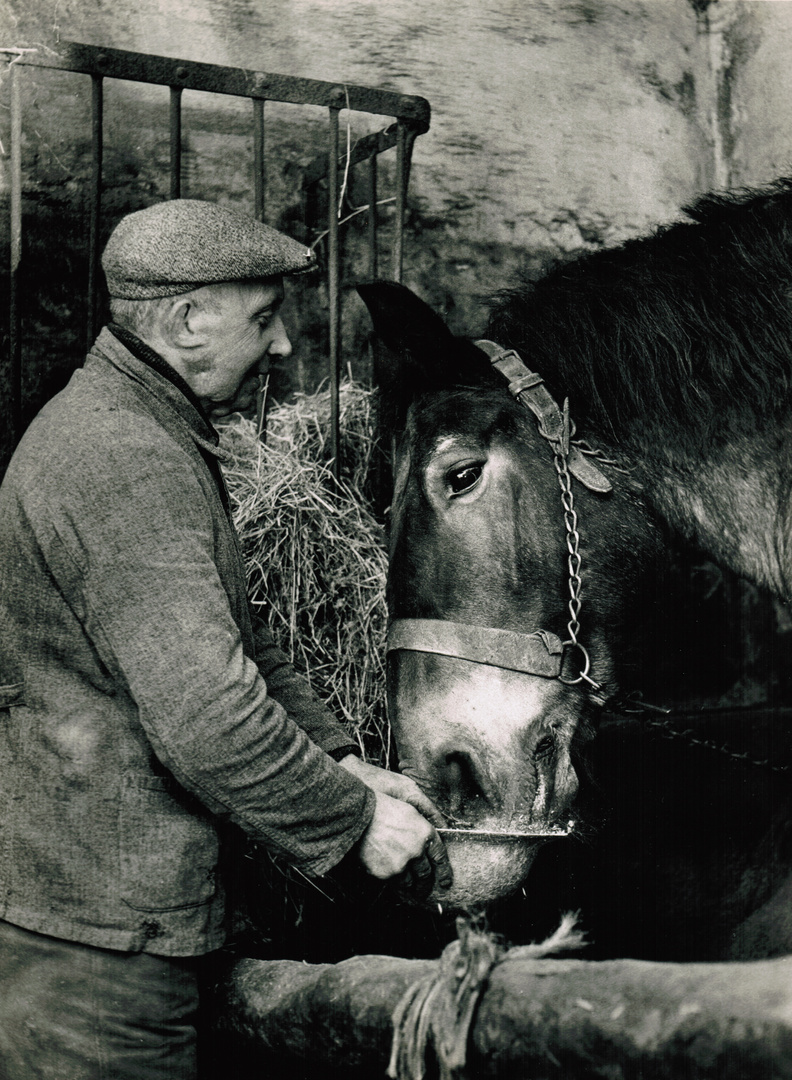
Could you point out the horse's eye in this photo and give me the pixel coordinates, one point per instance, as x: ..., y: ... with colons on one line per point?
x: 463, y: 477
x: 545, y: 748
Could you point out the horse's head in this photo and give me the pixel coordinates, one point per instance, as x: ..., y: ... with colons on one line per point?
x: 479, y: 545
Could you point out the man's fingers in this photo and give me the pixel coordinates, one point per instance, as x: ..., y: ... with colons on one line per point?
x: 418, y: 878
x: 398, y: 839
x: 438, y: 857
x: 422, y: 873
x: 431, y: 867
x: 412, y: 794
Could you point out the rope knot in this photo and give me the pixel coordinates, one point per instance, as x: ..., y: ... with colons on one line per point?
x: 438, y: 1009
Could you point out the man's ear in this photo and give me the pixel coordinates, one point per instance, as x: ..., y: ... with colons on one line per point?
x: 183, y: 323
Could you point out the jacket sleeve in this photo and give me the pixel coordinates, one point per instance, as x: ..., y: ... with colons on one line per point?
x: 294, y: 693
x: 137, y: 534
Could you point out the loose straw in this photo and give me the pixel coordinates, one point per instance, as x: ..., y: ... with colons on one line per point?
x: 315, y: 553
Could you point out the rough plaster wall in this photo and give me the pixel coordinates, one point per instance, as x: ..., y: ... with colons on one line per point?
x: 758, y: 108
x: 556, y: 125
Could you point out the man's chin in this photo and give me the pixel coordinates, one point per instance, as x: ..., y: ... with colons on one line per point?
x: 243, y: 402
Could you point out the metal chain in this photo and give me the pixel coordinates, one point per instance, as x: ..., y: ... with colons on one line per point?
x: 689, y: 736
x: 574, y: 561
x: 586, y: 448
x: 572, y: 543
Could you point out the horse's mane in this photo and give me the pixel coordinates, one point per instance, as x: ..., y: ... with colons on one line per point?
x: 688, y: 330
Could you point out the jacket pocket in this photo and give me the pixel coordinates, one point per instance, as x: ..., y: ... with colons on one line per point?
x: 12, y: 694
x: 169, y: 846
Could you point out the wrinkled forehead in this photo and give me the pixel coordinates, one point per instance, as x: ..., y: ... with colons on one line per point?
x: 248, y: 295
x: 260, y: 293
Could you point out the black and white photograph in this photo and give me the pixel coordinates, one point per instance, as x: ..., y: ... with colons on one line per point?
x: 395, y: 540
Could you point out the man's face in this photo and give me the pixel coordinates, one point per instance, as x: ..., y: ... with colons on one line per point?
x: 244, y: 331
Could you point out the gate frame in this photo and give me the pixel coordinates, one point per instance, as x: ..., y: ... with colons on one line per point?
x: 412, y: 117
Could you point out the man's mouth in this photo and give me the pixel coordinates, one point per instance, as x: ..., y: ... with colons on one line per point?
x: 242, y: 401
x: 247, y: 393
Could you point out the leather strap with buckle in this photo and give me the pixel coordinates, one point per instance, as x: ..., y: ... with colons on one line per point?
x: 528, y: 388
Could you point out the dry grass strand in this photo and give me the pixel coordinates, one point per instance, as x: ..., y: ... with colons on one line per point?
x: 315, y: 553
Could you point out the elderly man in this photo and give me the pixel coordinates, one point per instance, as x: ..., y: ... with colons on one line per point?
x: 143, y: 705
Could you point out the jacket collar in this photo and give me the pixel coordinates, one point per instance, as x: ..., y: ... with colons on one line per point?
x: 144, y: 352
x: 126, y: 352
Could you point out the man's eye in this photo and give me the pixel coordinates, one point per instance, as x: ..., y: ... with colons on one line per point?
x: 463, y: 477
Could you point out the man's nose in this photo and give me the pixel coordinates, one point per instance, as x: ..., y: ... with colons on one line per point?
x: 279, y: 345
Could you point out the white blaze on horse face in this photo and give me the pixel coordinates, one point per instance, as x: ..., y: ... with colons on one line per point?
x: 491, y: 748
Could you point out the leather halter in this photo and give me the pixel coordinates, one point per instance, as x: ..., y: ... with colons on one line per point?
x: 541, y: 652
x: 528, y: 388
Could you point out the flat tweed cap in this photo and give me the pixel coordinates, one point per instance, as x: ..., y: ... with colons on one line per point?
x: 174, y: 247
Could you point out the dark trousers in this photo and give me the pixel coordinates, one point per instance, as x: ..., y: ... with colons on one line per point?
x: 73, y: 1012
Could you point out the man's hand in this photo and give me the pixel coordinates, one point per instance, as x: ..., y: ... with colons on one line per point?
x: 394, y: 784
x: 400, y: 840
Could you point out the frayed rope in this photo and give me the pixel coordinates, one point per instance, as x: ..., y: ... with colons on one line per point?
x: 438, y: 1010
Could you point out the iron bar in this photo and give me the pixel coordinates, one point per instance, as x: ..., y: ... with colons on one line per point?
x: 381, y: 480
x: 333, y: 290
x: 259, y: 200
x: 15, y: 327
x: 405, y: 140
x: 236, y: 82
x: 175, y: 141
x: 259, y: 176
x: 380, y: 473
x: 262, y: 402
x: 530, y: 832
x: 97, y: 109
x: 401, y: 188
x: 371, y: 177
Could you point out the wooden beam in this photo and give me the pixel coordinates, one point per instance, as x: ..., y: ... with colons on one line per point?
x: 537, y: 1018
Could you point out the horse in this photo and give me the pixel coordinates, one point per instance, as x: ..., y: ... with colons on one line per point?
x: 657, y: 378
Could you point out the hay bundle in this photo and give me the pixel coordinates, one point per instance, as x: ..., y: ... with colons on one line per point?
x: 315, y: 553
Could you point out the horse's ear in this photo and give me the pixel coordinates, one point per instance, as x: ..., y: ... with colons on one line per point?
x: 426, y: 355
x: 416, y: 339
x: 403, y: 322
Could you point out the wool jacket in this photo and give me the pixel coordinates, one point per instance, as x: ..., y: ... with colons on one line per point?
x: 142, y: 705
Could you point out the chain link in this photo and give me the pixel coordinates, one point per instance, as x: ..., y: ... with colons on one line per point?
x: 689, y: 736
x: 586, y: 448
x: 574, y: 562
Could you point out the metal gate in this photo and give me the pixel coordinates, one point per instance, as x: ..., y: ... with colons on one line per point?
x: 410, y: 113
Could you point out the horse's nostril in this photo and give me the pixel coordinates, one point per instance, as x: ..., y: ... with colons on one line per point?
x: 458, y: 783
x: 545, y: 748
